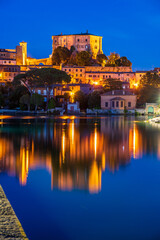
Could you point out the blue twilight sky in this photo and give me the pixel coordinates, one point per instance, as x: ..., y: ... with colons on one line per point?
x: 128, y: 27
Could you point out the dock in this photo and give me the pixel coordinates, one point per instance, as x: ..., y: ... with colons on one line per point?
x: 10, y: 227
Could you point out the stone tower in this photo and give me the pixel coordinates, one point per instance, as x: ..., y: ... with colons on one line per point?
x: 24, y: 52
x: 21, y: 54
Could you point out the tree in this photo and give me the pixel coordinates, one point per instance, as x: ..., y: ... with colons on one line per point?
x: 83, y: 58
x: 1, y: 100
x: 112, y: 84
x: 82, y: 98
x: 46, y: 77
x: 37, y: 100
x: 94, y: 100
x: 101, y: 59
x: 150, y: 79
x: 148, y: 94
x: 26, y: 100
x: 112, y: 59
x: 148, y: 90
x: 72, y: 60
x: 60, y: 55
x: 16, y: 94
x: 123, y: 62
x: 72, y: 49
x: 51, y: 104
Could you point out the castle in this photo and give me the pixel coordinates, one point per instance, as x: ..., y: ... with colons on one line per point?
x: 15, y: 61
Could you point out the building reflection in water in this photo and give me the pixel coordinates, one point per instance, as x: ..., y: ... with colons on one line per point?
x: 75, y: 151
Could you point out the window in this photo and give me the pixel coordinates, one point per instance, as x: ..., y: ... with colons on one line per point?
x: 78, y: 40
x: 121, y: 103
x: 80, y: 75
x: 113, y: 104
x: 86, y: 46
x: 129, y: 104
x: 80, y: 70
x: 86, y: 40
x: 76, y: 70
x: 69, y: 70
x: 106, y: 104
x: 76, y: 75
x: 44, y: 92
x: 117, y: 104
x: 39, y: 91
x: 95, y: 40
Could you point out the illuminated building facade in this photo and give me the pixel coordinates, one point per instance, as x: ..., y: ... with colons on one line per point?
x: 16, y: 56
x: 81, y: 42
x: 118, y: 100
x: 8, y: 72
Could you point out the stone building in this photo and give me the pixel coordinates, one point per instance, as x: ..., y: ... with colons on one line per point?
x: 81, y: 42
x: 17, y: 56
x: 118, y: 100
x: 8, y: 72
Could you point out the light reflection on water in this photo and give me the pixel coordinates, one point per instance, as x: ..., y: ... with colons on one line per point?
x: 76, y: 151
x: 82, y: 178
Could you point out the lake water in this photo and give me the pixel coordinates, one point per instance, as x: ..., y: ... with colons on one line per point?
x: 82, y: 178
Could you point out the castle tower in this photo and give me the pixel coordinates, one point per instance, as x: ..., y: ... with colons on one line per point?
x: 24, y: 52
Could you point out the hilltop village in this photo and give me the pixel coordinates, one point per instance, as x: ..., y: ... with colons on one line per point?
x: 76, y: 77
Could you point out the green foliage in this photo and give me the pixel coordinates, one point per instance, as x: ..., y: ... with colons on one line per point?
x: 60, y: 55
x: 16, y: 94
x: 112, y: 59
x: 26, y: 100
x: 46, y: 77
x: 82, y: 98
x: 72, y: 60
x: 148, y: 91
x: 123, y: 62
x: 125, y: 110
x: 1, y: 100
x: 83, y: 58
x: 72, y: 49
x: 112, y: 84
x: 148, y: 94
x: 37, y: 100
x: 94, y: 100
x: 101, y: 59
x: 150, y: 79
x: 51, y: 104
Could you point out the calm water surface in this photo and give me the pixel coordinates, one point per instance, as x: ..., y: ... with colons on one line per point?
x: 82, y: 178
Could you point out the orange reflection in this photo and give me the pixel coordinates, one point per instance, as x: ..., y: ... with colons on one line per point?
x: 75, y: 151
